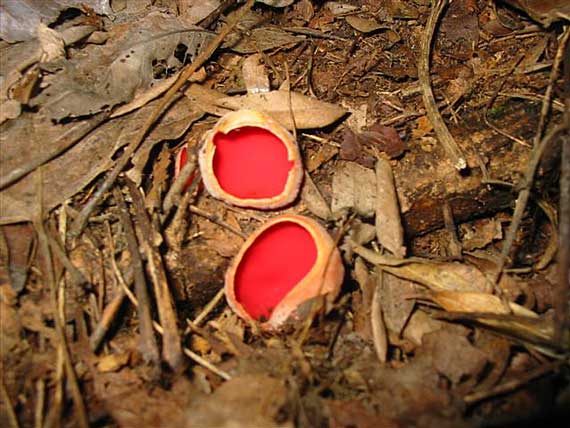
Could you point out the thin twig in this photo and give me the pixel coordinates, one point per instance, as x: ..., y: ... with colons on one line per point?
x: 562, y: 293
x: 514, y: 384
x: 40, y: 403
x: 215, y: 219
x: 147, y: 343
x: 192, y: 355
x: 451, y: 148
x: 209, y: 307
x: 379, y: 334
x: 173, y: 195
x: 165, y: 102
x: 171, y: 346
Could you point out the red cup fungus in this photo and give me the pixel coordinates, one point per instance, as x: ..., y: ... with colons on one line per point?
x: 288, y: 261
x: 250, y: 160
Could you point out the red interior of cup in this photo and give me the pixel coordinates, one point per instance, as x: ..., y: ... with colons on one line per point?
x: 273, y: 265
x: 251, y: 163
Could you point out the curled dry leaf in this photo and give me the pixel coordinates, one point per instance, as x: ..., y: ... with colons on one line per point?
x: 389, y: 230
x: 308, y: 112
x: 514, y: 320
x: 437, y: 276
x: 353, y: 189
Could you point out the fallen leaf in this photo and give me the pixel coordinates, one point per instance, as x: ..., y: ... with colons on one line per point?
x: 308, y: 112
x: 384, y: 138
x: 313, y: 200
x: 353, y: 189
x: 437, y: 276
x: 254, y: 75
x: 389, y: 230
x: 396, y: 301
x: 419, y: 324
x: 365, y: 25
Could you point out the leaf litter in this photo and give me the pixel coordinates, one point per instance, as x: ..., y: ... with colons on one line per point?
x: 416, y: 338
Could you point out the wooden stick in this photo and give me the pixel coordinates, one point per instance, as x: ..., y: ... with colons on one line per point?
x: 171, y: 345
x: 451, y: 148
x: 147, y: 343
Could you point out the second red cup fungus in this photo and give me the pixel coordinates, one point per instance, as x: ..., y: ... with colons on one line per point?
x: 250, y: 160
x: 287, y: 262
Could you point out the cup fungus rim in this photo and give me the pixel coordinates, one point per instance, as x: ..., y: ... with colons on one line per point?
x: 243, y: 118
x: 328, y: 266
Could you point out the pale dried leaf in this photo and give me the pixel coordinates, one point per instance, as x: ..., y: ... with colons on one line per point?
x: 396, y: 302
x: 389, y: 230
x: 313, y: 200
x: 308, y: 112
x: 420, y: 324
x: 196, y: 11
x: 277, y: 3
x: 353, y: 189
x: 437, y: 276
x: 206, y: 99
x: 51, y: 44
x: 254, y: 75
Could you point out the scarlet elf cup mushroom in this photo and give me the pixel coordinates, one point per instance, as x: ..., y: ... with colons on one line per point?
x: 288, y: 261
x: 250, y: 160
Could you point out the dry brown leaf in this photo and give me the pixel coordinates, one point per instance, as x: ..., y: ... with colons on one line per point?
x: 353, y: 189
x: 206, y: 99
x: 389, y: 230
x: 313, y: 200
x: 308, y: 112
x: 365, y: 25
